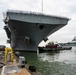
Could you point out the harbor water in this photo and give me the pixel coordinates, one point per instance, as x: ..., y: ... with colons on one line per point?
x: 54, y: 63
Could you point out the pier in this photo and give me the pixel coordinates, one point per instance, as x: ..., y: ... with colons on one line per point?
x: 12, y: 63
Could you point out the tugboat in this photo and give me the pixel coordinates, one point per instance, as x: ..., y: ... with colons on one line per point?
x: 51, y: 46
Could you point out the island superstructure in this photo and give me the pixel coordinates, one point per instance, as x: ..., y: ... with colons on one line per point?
x: 25, y: 30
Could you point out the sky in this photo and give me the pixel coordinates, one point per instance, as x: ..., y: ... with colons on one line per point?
x: 65, y: 8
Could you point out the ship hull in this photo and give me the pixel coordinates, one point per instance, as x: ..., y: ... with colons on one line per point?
x: 27, y: 34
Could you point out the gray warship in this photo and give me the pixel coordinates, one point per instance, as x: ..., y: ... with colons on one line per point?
x: 25, y: 30
x: 71, y: 43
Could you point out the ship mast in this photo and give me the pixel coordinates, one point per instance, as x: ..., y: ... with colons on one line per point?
x: 42, y: 6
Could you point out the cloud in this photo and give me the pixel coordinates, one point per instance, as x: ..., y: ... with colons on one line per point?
x: 32, y: 5
x: 56, y: 7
